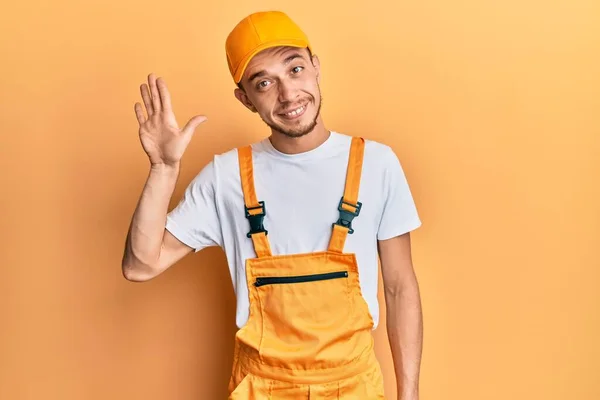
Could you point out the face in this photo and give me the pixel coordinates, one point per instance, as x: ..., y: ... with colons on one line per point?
x: 281, y: 84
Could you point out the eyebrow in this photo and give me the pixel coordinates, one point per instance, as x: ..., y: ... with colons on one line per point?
x: 263, y: 72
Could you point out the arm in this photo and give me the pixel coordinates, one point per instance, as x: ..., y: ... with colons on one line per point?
x: 404, y: 318
x: 150, y: 249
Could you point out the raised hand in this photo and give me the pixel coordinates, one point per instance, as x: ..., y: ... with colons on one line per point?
x: 162, y: 139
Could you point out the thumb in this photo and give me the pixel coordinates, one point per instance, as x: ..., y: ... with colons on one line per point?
x: 194, y: 122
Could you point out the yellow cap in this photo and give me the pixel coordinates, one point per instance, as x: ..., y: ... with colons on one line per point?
x: 257, y: 32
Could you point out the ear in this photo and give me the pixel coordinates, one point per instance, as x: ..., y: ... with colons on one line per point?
x: 243, y: 98
x: 317, y: 64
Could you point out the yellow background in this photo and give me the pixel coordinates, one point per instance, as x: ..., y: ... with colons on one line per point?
x: 492, y: 106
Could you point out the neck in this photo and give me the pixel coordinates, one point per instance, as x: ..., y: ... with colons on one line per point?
x: 310, y: 141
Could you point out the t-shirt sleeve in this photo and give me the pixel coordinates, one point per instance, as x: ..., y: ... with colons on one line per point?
x: 399, y: 214
x: 195, y: 220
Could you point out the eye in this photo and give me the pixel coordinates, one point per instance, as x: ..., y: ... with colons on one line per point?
x: 297, y: 69
x: 262, y: 84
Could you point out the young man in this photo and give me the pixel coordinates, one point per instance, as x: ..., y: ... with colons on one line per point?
x: 302, y: 216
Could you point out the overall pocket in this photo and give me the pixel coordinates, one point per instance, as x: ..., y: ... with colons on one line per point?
x: 305, y: 318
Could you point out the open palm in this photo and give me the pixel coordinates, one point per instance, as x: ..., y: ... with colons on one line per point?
x: 162, y: 139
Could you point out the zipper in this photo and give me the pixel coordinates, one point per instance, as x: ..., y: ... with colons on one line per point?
x: 267, y: 280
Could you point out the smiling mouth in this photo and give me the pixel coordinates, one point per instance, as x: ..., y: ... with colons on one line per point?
x: 295, y: 113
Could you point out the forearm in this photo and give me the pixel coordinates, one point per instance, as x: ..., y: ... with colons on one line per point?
x: 145, y: 235
x: 405, y: 332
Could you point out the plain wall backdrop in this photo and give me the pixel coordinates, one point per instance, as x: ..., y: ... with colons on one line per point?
x: 492, y: 106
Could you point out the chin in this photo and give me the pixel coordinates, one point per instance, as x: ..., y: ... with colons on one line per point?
x: 297, y: 128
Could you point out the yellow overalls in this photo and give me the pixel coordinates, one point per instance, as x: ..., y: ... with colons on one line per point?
x: 308, y: 334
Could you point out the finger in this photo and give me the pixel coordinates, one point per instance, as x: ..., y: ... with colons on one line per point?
x: 146, y: 98
x: 154, y: 93
x: 139, y: 113
x: 165, y: 97
x: 194, y: 122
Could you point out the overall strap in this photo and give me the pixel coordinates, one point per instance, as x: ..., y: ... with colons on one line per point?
x: 349, y: 206
x: 255, y: 210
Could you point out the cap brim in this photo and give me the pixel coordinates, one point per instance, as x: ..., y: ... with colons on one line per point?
x: 237, y: 76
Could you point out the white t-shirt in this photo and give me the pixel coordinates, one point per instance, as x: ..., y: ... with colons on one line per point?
x: 301, y: 194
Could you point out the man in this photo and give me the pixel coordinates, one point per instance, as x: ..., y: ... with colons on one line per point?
x: 302, y: 217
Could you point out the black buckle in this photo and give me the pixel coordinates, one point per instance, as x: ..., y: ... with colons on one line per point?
x: 346, y: 216
x: 256, y: 220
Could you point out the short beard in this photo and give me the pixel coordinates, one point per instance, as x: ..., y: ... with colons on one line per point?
x: 300, y: 131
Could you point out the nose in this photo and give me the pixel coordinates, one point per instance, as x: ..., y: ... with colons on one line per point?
x: 287, y: 91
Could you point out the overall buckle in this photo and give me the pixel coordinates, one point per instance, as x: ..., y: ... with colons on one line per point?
x: 256, y: 220
x: 346, y: 216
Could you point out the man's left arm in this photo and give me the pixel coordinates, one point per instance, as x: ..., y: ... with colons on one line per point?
x: 403, y: 313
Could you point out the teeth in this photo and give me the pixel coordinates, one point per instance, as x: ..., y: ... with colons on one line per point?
x: 296, y: 111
